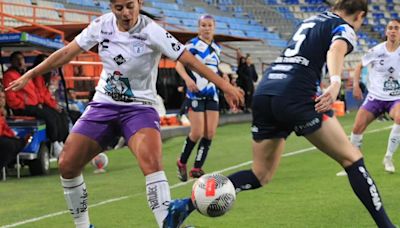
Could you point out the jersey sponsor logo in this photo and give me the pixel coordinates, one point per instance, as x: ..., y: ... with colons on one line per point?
x: 391, y: 84
x: 296, y: 59
x: 107, y: 33
x: 281, y: 67
x: 176, y: 46
x: 142, y: 37
x: 119, y: 60
x: 118, y: 88
x: 309, y: 124
x: 276, y: 76
x: 104, y: 43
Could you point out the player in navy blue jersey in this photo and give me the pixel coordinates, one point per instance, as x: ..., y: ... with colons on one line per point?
x: 289, y: 99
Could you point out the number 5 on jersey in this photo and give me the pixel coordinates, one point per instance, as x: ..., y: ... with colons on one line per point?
x: 299, y: 39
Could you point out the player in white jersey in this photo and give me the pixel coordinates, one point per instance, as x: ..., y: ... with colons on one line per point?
x: 130, y: 47
x: 202, y: 98
x: 383, y: 90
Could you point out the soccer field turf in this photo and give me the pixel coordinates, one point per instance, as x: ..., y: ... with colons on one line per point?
x: 305, y: 191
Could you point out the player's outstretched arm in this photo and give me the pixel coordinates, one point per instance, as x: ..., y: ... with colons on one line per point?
x: 334, y: 60
x: 55, y: 60
x: 190, y: 84
x: 233, y: 95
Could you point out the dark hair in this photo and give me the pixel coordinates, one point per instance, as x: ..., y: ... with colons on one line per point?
x: 152, y: 16
x: 395, y: 19
x: 351, y: 6
x: 14, y: 55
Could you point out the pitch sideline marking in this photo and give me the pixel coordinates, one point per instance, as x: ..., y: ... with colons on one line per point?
x: 172, y: 186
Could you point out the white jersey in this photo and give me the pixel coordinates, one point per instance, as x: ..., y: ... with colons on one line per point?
x: 130, y: 59
x: 209, y: 55
x: 383, y: 72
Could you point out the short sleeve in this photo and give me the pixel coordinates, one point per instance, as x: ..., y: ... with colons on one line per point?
x: 89, y: 37
x: 346, y: 33
x: 191, y: 48
x: 165, y: 42
x: 368, y: 57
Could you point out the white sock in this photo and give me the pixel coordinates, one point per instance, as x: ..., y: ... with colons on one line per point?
x: 356, y: 140
x: 77, y: 200
x: 394, y: 140
x: 158, y: 195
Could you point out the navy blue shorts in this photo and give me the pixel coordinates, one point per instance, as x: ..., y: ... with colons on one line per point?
x: 277, y: 117
x: 203, y: 105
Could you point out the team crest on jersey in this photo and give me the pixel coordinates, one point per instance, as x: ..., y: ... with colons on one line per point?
x: 117, y: 87
x: 138, y: 47
x: 119, y: 59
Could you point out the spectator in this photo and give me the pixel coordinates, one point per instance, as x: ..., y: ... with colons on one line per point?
x: 10, y: 145
x: 26, y: 102
x: 247, y: 77
x: 76, y: 107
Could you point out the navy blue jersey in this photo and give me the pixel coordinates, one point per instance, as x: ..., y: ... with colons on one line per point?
x: 297, y: 71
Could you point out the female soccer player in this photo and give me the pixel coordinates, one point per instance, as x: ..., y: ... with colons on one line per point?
x: 130, y: 46
x: 202, y: 98
x: 383, y: 90
x: 287, y: 100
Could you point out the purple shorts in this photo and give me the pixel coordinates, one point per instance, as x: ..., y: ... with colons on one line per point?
x: 378, y: 107
x: 103, y: 122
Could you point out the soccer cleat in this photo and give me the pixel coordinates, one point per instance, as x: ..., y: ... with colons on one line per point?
x: 178, y: 210
x: 182, y: 172
x: 196, y: 172
x: 91, y: 226
x: 389, y: 166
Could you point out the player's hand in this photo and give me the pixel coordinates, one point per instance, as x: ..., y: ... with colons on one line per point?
x: 325, y: 101
x: 234, y: 96
x: 357, y: 93
x: 18, y: 83
x: 191, y: 85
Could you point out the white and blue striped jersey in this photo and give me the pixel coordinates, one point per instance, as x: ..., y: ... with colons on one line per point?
x: 209, y: 55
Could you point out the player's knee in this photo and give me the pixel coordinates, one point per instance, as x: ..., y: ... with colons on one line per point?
x: 67, y: 170
x: 196, y: 135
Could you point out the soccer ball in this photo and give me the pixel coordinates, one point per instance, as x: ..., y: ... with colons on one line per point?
x: 100, y: 161
x: 213, y: 194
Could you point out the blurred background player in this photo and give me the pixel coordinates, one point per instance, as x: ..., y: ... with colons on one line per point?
x: 202, y: 98
x: 137, y: 43
x: 383, y: 90
x: 286, y: 100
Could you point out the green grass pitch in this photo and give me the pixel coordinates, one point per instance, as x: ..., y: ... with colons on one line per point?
x: 304, y: 192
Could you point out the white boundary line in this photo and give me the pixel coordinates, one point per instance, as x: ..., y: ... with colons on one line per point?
x: 172, y: 186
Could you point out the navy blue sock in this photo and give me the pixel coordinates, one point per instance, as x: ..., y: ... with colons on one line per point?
x: 187, y: 150
x: 364, y: 187
x: 244, y: 180
x: 202, y: 152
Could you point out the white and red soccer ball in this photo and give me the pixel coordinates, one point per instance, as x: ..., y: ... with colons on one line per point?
x: 100, y: 161
x: 213, y: 194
